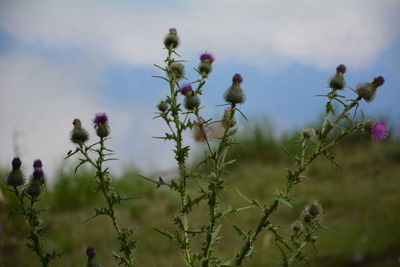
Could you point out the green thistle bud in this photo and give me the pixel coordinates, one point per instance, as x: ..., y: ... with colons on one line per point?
x: 34, y: 188
x: 297, y: 226
x: 102, y: 131
x: 205, y: 68
x: 307, y: 217
x: 15, y: 177
x: 308, y: 133
x: 227, y: 118
x: 191, y: 102
x: 78, y: 134
x: 171, y: 40
x: 367, y: 91
x: 177, y: 69
x: 337, y: 81
x: 162, y: 106
x: 315, y: 209
x: 235, y: 94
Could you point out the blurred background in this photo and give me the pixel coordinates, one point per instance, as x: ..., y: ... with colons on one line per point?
x: 61, y: 60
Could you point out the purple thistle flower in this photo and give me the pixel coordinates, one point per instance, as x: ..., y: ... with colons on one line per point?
x: 90, y: 252
x: 37, y: 164
x: 38, y: 173
x: 379, y: 131
x: 16, y: 163
x: 172, y: 30
x: 186, y: 89
x: 378, y: 81
x: 207, y: 56
x: 341, y: 68
x: 100, y: 118
x: 237, y: 78
x: 77, y: 122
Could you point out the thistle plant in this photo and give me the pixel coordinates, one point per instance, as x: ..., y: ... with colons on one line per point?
x: 97, y: 154
x: 28, y: 195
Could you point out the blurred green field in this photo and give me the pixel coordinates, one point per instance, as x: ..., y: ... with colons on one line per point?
x: 361, y: 204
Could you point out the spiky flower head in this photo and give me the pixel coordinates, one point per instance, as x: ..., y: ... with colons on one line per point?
x: 237, y: 78
x: 315, y: 209
x: 308, y: 133
x: 91, y: 254
x: 37, y: 173
x: 15, y: 177
x: 162, y: 106
x: 100, y: 122
x: 366, y: 91
x: 16, y: 163
x: 191, y: 102
x: 34, y: 188
x: 78, y: 134
x: 379, y: 131
x: 177, y: 70
x: 297, y: 226
x: 186, y: 89
x: 378, y: 81
x: 171, y: 40
x: 341, y: 69
x: 206, y: 56
x: 37, y: 164
x: 367, y: 126
x: 234, y: 94
x: 228, y: 119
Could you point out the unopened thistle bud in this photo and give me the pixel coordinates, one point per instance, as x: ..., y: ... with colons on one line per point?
x: 315, y: 209
x: 91, y: 254
x: 15, y: 177
x: 227, y: 118
x: 177, y: 70
x: 191, y: 102
x: 100, y: 122
x: 171, y: 40
x: 234, y: 94
x: 186, y: 89
x: 379, y: 131
x: 205, y: 65
x: 297, y: 226
x: 308, y: 133
x: 162, y: 106
x: 307, y: 217
x: 78, y: 134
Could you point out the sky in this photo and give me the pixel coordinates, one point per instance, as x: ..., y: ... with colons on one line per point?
x: 61, y: 60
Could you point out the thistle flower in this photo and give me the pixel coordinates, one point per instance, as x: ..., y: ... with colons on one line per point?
x: 191, y: 102
x: 378, y: 81
x: 78, y: 134
x: 368, y: 90
x: 162, y: 106
x: 91, y: 254
x: 37, y: 164
x: 171, y: 40
x: 37, y: 173
x: 177, y: 70
x: 379, y: 131
x: 186, y: 89
x: 341, y: 69
x: 234, y: 94
x: 15, y: 177
x: 100, y: 122
x: 205, y: 65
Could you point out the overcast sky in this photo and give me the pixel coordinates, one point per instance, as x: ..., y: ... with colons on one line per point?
x: 61, y: 60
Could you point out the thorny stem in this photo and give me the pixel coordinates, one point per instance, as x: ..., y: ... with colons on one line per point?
x: 294, y: 176
x: 105, y: 186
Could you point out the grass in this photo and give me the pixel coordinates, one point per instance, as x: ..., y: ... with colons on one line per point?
x: 361, y: 205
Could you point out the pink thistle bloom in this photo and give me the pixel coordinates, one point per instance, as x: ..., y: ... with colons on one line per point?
x: 379, y: 131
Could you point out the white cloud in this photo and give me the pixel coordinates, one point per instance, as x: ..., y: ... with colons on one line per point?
x: 271, y: 33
